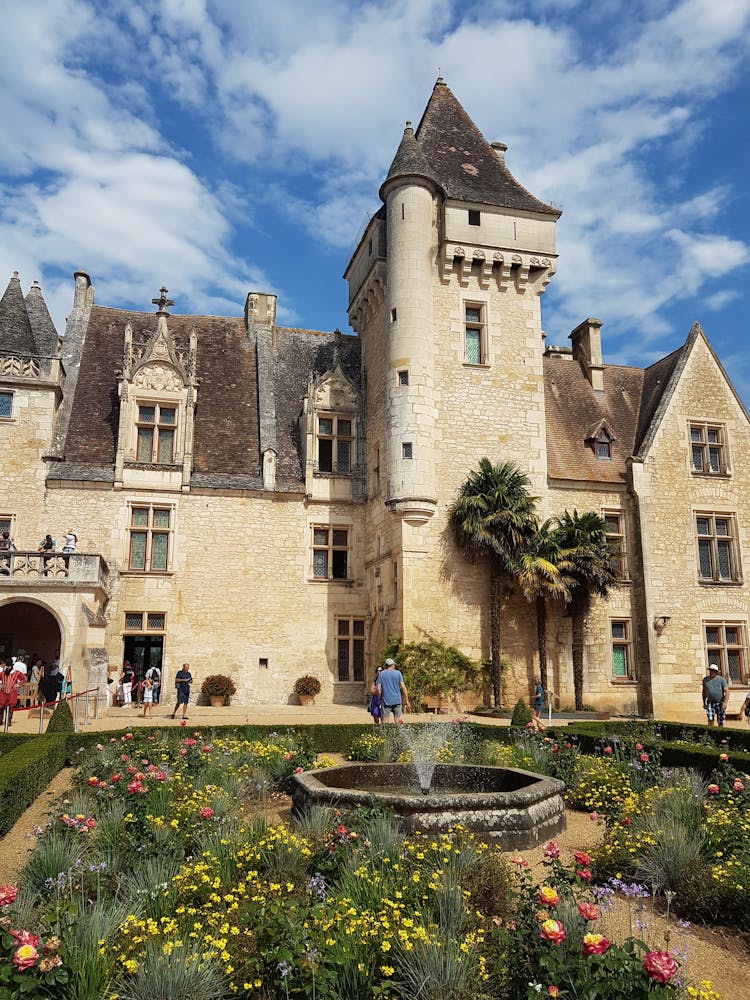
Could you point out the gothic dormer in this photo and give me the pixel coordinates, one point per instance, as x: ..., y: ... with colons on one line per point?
x: 158, y: 392
x: 332, y: 434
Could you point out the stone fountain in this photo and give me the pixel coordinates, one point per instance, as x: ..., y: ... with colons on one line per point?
x: 517, y: 808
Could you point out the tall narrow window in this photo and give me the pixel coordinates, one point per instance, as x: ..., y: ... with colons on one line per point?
x: 474, y: 351
x: 330, y: 556
x: 156, y: 426
x: 149, y: 543
x: 621, y: 652
x: 6, y: 405
x: 717, y: 549
x: 603, y: 446
x: 615, y: 527
x: 376, y: 471
x: 475, y: 217
x: 726, y: 644
x: 335, y: 444
x: 707, y: 449
x: 350, y: 649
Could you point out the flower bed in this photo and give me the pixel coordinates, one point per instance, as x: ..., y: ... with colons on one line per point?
x: 159, y: 876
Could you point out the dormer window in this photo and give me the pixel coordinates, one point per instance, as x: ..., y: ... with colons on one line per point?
x: 335, y: 440
x: 600, y: 440
x: 156, y: 431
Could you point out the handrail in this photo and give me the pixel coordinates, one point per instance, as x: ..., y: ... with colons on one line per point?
x: 11, y: 711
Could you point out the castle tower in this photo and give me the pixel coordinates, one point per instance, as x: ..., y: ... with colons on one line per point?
x: 444, y: 291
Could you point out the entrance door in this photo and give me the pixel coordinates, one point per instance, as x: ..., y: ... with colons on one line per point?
x: 144, y: 652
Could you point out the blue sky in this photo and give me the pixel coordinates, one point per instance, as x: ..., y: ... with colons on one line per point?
x: 220, y: 146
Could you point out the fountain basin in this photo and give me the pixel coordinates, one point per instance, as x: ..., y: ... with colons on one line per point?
x: 518, y: 809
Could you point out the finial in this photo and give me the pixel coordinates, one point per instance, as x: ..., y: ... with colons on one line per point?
x: 15, y: 274
x: 162, y: 302
x: 35, y: 283
x: 407, y: 126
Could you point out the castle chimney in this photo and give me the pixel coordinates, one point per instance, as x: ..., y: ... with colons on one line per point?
x: 500, y: 150
x: 82, y: 285
x: 587, y: 350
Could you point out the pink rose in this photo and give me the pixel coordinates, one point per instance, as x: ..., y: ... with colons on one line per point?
x: 594, y: 816
x: 644, y: 758
x: 584, y: 874
x: 521, y: 862
x: 608, y: 750
x: 639, y: 746
x: 25, y: 937
x: 91, y: 823
x: 115, y: 778
x: 206, y: 812
x: 183, y: 752
x: 206, y: 749
x: 595, y: 944
x: 8, y: 894
x: 589, y: 911
x: 551, y: 850
x: 660, y: 966
x: 25, y: 956
x: 713, y: 789
x: 134, y: 787
x: 183, y: 722
x: 737, y: 785
x: 298, y: 770
x: 552, y: 931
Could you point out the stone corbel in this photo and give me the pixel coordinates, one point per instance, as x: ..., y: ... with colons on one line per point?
x: 522, y: 274
x: 503, y: 275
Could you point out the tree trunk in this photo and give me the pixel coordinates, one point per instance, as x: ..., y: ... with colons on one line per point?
x: 495, y: 577
x: 578, y: 614
x: 541, y: 638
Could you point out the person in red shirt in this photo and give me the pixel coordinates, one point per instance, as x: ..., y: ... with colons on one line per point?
x: 10, y: 681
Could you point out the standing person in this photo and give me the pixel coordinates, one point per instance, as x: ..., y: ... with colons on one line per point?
x: 393, y: 693
x: 126, y: 679
x: 715, y: 695
x: 71, y: 540
x: 153, y: 674
x: 6, y: 547
x: 48, y: 689
x: 182, y: 681
x: 537, y: 706
x: 148, y: 698
x: 375, y: 693
x: 10, y: 681
x: 47, y: 546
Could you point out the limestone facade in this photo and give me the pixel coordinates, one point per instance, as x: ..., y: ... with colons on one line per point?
x: 266, y: 502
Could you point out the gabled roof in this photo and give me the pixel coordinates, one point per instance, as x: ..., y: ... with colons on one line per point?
x: 16, y: 336
x: 448, y: 148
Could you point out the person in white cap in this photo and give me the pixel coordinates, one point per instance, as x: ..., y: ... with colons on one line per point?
x: 393, y: 693
x: 715, y: 695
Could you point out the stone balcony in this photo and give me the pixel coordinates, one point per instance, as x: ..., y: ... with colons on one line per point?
x: 77, y: 570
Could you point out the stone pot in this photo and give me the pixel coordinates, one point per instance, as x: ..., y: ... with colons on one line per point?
x: 217, y: 700
x: 306, y: 699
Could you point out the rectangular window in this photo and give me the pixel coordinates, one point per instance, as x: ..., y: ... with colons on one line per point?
x: 155, y: 621
x: 717, y: 547
x: 726, y: 644
x: 475, y: 218
x: 403, y: 377
x: 335, y: 445
x: 350, y: 649
x: 621, y: 649
x: 330, y: 554
x: 708, y: 449
x: 156, y: 429
x: 150, y: 531
x: 6, y: 405
x: 474, y: 339
x: 615, y: 527
x: 406, y: 450
x: 376, y: 471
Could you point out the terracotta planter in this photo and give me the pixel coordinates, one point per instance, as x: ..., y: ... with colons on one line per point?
x: 217, y: 700
x: 306, y: 699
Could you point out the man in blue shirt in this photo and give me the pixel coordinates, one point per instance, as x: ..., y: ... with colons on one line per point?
x: 182, y: 681
x: 393, y: 692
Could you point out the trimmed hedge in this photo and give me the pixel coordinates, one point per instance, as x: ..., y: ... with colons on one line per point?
x: 24, y: 774
x: 669, y: 731
x: 9, y: 741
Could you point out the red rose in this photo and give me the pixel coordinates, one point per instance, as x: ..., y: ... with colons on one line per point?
x: 713, y: 789
x: 626, y: 821
x: 737, y: 785
x: 608, y: 750
x: 553, y: 991
x: 660, y: 966
x: 8, y: 894
x: 206, y: 812
x: 25, y: 956
x: 644, y: 758
x: 182, y: 722
x: 582, y: 858
x: 93, y: 781
x: 595, y: 944
x: 25, y: 937
x: 547, y: 896
x: 551, y: 850
x: 552, y: 931
x: 583, y: 873
x: 589, y: 911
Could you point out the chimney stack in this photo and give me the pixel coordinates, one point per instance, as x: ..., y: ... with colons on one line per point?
x: 587, y: 350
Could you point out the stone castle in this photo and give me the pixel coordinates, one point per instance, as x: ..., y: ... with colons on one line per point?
x: 266, y: 502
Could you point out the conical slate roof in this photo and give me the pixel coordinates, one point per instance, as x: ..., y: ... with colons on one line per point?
x: 16, y: 336
x: 42, y: 327
x: 450, y: 149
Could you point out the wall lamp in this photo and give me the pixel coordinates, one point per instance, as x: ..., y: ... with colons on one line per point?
x: 661, y: 622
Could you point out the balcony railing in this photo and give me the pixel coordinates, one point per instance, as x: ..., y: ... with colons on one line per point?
x: 55, y: 567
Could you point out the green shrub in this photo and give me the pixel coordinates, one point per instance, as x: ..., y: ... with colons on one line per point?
x: 24, y: 774
x: 62, y: 719
x: 433, y: 668
x: 521, y: 714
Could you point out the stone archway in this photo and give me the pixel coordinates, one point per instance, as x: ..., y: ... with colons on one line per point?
x: 26, y: 627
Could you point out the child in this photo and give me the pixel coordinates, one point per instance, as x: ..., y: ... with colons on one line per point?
x: 745, y: 710
x: 148, y: 698
x: 374, y: 707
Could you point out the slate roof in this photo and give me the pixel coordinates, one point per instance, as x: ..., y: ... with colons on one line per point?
x: 226, y: 444
x: 16, y: 336
x: 449, y: 148
x: 42, y: 327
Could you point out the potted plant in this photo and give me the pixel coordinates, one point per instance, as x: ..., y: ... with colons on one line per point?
x: 306, y: 687
x: 217, y: 688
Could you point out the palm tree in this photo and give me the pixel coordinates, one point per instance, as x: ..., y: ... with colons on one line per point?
x: 594, y: 571
x: 492, y: 518
x: 544, y: 571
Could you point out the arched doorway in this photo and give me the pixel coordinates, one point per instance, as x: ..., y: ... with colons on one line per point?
x: 28, y: 628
